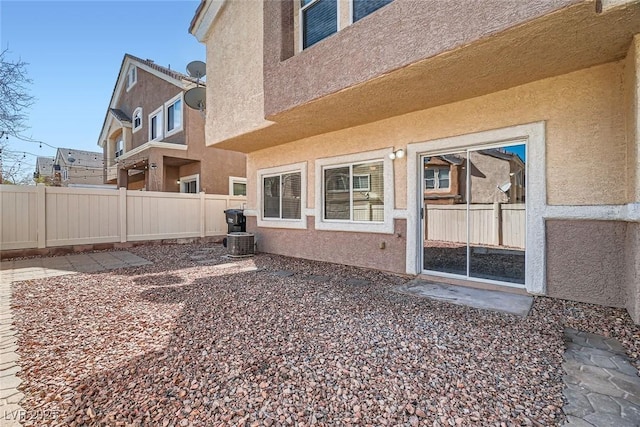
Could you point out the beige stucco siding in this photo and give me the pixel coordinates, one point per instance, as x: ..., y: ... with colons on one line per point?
x: 235, y: 99
x: 585, y: 140
x: 632, y: 95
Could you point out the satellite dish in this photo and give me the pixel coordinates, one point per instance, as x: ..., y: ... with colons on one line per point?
x: 504, y: 187
x: 195, y: 98
x: 197, y: 69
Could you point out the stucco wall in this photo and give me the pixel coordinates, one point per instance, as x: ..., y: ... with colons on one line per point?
x: 585, y: 261
x: 150, y: 93
x: 235, y: 99
x: 381, y: 42
x: 632, y: 95
x: 360, y: 249
x: 585, y: 123
x: 632, y: 271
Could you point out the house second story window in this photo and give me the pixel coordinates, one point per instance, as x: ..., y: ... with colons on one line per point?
x: 155, y: 125
x: 362, y: 8
x: 137, y: 119
x: 436, y: 178
x: 319, y: 19
x: 119, y: 148
x: 174, y: 115
x: 132, y: 76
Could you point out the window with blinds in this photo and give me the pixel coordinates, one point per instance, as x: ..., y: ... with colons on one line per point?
x: 362, y: 8
x: 319, y: 20
x: 354, y: 192
x: 281, y: 196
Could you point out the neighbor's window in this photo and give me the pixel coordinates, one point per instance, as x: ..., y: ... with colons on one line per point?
x: 362, y: 8
x: 354, y: 192
x: 155, y: 125
x: 65, y: 174
x: 237, y: 186
x: 281, y: 196
x: 137, y: 119
x: 436, y: 178
x: 132, y: 76
x: 190, y: 184
x: 119, y: 148
x: 174, y: 115
x: 319, y: 19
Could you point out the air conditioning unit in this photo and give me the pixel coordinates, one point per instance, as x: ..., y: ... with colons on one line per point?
x: 240, y: 244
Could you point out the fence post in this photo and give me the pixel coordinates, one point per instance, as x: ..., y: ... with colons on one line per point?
x: 41, y: 215
x: 497, y: 229
x: 122, y: 205
x: 203, y: 215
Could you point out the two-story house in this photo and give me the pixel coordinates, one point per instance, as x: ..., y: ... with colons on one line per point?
x: 77, y: 167
x: 341, y: 96
x: 44, y: 170
x: 153, y: 141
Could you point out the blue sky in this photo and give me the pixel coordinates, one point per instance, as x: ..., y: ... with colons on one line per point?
x: 74, y: 50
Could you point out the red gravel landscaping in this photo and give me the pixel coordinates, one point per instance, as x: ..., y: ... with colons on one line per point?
x: 200, y: 339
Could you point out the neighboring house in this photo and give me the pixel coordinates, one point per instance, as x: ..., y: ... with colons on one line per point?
x: 153, y: 141
x: 71, y: 166
x: 44, y: 170
x: 495, y: 176
x: 337, y: 95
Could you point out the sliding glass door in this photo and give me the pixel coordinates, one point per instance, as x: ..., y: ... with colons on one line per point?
x: 474, y: 213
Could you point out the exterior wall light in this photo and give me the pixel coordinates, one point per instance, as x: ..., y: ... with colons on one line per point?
x: 398, y: 154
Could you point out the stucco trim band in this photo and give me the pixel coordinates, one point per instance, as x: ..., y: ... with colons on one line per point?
x: 533, y: 134
x: 149, y: 145
x: 629, y: 212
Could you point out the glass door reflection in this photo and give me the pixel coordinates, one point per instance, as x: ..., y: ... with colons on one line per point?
x: 445, y: 213
x: 497, y: 213
x: 475, y: 214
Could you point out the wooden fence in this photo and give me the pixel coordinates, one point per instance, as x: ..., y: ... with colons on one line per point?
x: 40, y: 217
x: 493, y: 224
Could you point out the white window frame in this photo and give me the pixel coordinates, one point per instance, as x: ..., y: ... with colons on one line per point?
x: 65, y: 173
x: 190, y: 178
x: 132, y: 76
x: 169, y: 103
x: 367, y: 188
x: 436, y: 179
x: 119, y: 151
x: 387, y: 226
x: 288, y: 222
x: 160, y: 124
x: 533, y: 135
x: 236, y: 180
x: 136, y: 112
x: 301, y: 9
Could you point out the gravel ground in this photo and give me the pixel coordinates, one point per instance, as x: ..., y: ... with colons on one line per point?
x: 183, y: 342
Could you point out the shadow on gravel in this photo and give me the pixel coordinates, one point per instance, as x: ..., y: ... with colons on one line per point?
x: 328, y: 345
x: 158, y: 280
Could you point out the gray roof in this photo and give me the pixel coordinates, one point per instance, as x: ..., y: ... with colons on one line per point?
x: 165, y: 70
x: 44, y: 166
x: 81, y: 158
x: 120, y: 115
